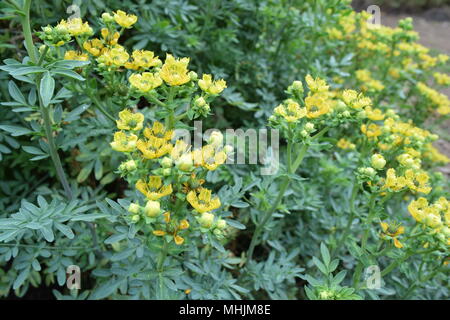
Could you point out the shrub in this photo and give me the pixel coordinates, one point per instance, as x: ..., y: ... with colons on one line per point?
x: 96, y: 171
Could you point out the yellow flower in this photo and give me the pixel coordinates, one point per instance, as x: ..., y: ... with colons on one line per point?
x: 317, y: 105
x: 393, y: 182
x: 174, y: 71
x: 93, y: 46
x: 371, y: 131
x: 417, y: 209
x: 143, y: 59
x: 208, y: 157
x: 123, y: 19
x: 393, y: 231
x: 348, y: 96
x: 290, y: 111
x: 158, y: 131
x: 203, y: 202
x: 179, y: 149
x: 75, y: 55
x: 116, y: 56
x: 123, y: 142
x: 184, y: 224
x: 417, y: 181
x: 153, y: 148
x: 345, y: 144
x: 316, y: 85
x: 109, y: 39
x: 153, y: 189
x: 145, y: 82
x: 374, y: 114
x: 159, y: 233
x: 76, y: 27
x: 178, y: 240
x: 441, y: 78
x: 210, y: 86
x: 130, y: 121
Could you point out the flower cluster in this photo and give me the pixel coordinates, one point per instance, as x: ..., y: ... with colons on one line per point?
x: 170, y: 177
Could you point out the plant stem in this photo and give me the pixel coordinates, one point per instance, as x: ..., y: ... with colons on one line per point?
x: 100, y: 107
x: 45, y: 111
x: 162, y: 255
x: 26, y: 27
x: 292, y: 168
x: 341, y: 241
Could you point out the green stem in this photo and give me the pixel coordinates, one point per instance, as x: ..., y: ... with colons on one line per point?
x: 162, y: 255
x: 26, y: 27
x: 45, y: 112
x: 351, y: 217
x: 292, y: 168
x: 100, y: 107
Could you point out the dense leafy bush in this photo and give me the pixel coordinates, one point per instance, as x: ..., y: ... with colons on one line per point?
x: 96, y: 172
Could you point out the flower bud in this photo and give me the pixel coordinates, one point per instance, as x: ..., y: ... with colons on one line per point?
x: 166, y: 162
x: 167, y: 172
x: 228, y: 149
x: 346, y: 113
x: 106, y: 17
x: 304, y: 133
x: 129, y: 165
x: 377, y: 161
x: 216, y: 139
x: 206, y: 220
x: 221, y: 224
x: 135, y: 218
x: 134, y: 208
x: 185, y: 162
x: 362, y: 115
x: 152, y: 209
x: 309, y: 126
x: 193, y: 75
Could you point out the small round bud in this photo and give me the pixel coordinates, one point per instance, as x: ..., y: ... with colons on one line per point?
x: 185, y: 162
x: 129, y: 165
x: 378, y: 161
x: 340, y: 106
x: 309, y: 126
x: 216, y: 139
x: 134, y: 208
x: 167, y: 172
x: 106, y: 17
x: 166, y: 162
x: 228, y: 149
x: 221, y: 224
x: 193, y: 75
x: 304, y: 133
x: 135, y: 218
x: 362, y: 115
x: 206, y: 220
x: 346, y: 113
x: 152, y: 209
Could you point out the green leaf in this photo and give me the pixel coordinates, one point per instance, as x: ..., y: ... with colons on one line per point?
x: 15, y: 93
x: 66, y: 230
x: 320, y: 265
x: 26, y: 70
x: 21, y: 278
x: 33, y: 150
x: 68, y: 73
x: 15, y: 130
x: 325, y: 254
x: 47, y: 88
x: 69, y: 64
